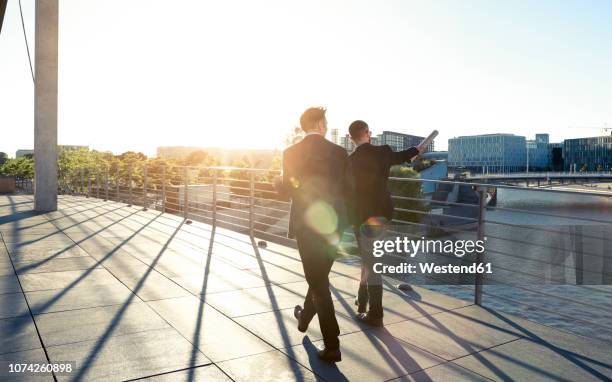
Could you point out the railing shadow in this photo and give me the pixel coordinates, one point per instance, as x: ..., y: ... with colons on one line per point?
x: 277, y: 312
x: 199, y: 320
x: 100, y: 343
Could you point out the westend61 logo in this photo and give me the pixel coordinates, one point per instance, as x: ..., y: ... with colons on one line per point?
x: 409, y: 247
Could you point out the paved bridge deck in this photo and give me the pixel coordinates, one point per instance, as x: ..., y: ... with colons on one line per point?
x: 131, y: 294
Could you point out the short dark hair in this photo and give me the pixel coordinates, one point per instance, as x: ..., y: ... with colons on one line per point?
x: 310, y: 118
x: 357, y: 129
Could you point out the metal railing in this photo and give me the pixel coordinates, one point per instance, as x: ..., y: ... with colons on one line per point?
x: 244, y: 200
x: 542, y: 174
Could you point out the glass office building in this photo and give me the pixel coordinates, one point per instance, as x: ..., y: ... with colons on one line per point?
x: 590, y: 154
x: 493, y: 153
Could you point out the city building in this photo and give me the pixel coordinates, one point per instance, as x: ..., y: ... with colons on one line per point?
x: 397, y: 141
x: 492, y: 153
x: 542, y: 138
x: 588, y: 154
x: 23, y: 153
x: 29, y: 152
x: 400, y: 141
x: 538, y: 153
x: 346, y: 142
x: 556, y: 157
x: 334, y: 136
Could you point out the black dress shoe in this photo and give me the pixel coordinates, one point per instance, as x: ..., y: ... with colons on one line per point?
x: 297, y: 313
x: 330, y: 355
x: 370, y: 320
x: 361, y: 308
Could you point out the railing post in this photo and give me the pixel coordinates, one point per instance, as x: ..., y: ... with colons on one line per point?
x: 98, y: 184
x: 163, y: 189
x: 88, y: 183
x: 186, y: 196
x: 117, y: 185
x: 251, y: 201
x: 144, y: 189
x: 82, y: 181
x: 106, y: 185
x: 214, y: 199
x: 482, y: 205
x: 130, y: 181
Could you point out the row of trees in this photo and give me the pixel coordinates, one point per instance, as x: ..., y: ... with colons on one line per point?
x: 76, y: 167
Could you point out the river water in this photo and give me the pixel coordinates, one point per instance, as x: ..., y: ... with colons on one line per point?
x: 557, y: 270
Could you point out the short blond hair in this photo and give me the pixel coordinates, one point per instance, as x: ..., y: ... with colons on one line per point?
x: 311, y: 116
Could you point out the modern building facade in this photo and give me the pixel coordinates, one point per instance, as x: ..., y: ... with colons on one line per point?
x: 334, y: 136
x: 492, y: 153
x: 538, y: 154
x: 346, y: 142
x: 588, y: 154
x: 397, y: 141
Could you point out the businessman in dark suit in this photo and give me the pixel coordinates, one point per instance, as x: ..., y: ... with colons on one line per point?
x: 373, y: 210
x: 315, y: 177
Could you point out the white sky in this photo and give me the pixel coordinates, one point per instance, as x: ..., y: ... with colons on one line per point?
x: 137, y: 74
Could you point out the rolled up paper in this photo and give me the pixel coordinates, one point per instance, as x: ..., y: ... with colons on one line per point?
x: 427, y: 141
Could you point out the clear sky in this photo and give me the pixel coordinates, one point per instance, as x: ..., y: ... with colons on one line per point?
x: 138, y: 74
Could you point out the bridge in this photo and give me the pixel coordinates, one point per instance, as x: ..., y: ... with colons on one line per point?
x: 169, y: 281
x: 543, y: 176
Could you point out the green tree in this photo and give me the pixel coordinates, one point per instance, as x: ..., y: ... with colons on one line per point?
x: 21, y: 168
x: 410, y: 189
x: 3, y: 158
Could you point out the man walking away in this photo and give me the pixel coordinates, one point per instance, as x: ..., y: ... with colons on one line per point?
x: 373, y: 211
x: 315, y: 178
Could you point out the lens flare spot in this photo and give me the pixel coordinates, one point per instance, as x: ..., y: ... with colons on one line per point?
x: 294, y: 182
x: 321, y: 218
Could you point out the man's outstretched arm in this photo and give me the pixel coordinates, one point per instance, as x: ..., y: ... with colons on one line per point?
x: 402, y: 156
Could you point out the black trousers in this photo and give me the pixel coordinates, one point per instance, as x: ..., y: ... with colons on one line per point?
x: 317, y: 259
x: 370, y: 286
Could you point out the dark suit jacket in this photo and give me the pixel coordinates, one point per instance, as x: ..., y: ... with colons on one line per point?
x: 371, y: 166
x: 316, y: 174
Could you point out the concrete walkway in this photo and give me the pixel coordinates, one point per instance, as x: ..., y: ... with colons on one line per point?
x: 130, y: 294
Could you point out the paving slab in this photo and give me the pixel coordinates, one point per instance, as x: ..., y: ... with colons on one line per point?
x: 254, y: 301
x: 210, y: 373
x: 280, y: 327
x: 215, y: 283
x: 153, y: 286
x: 88, y: 324
x: 48, y: 247
x: 6, y: 269
x: 279, y: 275
x: 445, y: 372
x: 18, y: 333
x: 44, y: 254
x: 129, y: 356
x: 56, y: 265
x: 13, y: 305
x: 66, y: 279
x: 9, y: 284
x: 78, y: 297
x: 400, y: 307
x: 27, y: 356
x: 32, y: 235
x: 454, y: 334
x: 340, y: 287
x: 592, y: 348
x: 266, y: 367
x: 526, y: 360
x: 366, y: 356
x: 218, y: 337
